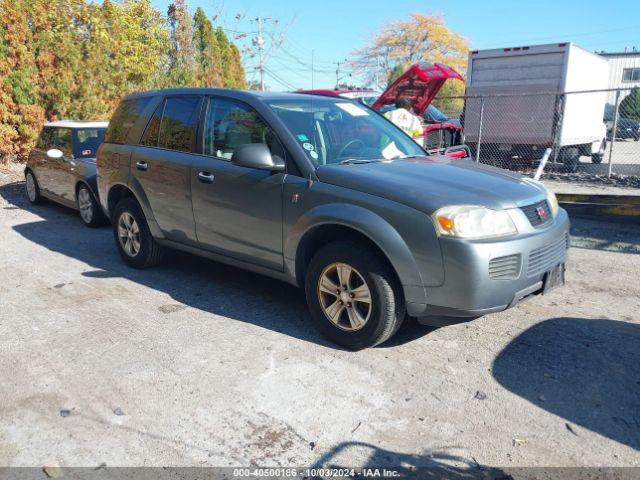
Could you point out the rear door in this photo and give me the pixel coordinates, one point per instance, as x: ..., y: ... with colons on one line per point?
x: 238, y: 210
x: 162, y: 164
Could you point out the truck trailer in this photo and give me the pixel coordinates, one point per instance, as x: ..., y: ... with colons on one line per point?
x: 522, y: 100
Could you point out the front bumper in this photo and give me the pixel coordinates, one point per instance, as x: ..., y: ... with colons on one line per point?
x: 470, y: 290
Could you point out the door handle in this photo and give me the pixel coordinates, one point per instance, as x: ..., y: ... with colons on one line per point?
x: 205, y: 177
x: 142, y: 166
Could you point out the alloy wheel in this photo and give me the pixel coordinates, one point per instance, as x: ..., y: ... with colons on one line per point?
x: 85, y: 205
x: 31, y: 187
x: 344, y: 296
x: 129, y: 234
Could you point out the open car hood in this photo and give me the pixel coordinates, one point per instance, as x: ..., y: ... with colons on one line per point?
x: 420, y: 84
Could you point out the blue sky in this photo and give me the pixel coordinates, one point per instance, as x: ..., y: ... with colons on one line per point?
x: 332, y: 29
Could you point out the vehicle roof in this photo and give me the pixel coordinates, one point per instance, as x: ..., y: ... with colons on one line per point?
x: 77, y: 124
x: 217, y: 91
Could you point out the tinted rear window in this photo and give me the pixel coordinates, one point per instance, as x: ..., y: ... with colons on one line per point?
x: 179, y: 122
x: 150, y: 136
x: 123, y: 119
x: 87, y: 142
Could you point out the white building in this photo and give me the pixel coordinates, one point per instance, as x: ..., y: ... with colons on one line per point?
x: 624, y: 72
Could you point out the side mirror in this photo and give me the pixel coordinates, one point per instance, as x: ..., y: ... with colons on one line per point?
x: 54, y: 154
x: 257, y: 155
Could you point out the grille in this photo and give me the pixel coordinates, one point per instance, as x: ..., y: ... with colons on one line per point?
x: 531, y: 211
x: 544, y: 258
x: 505, y: 268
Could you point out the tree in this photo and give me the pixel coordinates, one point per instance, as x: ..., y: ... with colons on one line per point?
x: 232, y: 70
x: 208, y: 65
x: 20, y: 113
x: 400, y: 44
x: 630, y: 105
x: 182, y: 64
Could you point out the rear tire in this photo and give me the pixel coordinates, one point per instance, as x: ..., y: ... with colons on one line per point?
x: 133, y: 238
x: 32, y: 188
x: 570, y: 157
x: 357, y: 322
x: 90, y: 212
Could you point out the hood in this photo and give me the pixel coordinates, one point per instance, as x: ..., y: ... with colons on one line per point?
x: 429, y: 183
x: 420, y: 84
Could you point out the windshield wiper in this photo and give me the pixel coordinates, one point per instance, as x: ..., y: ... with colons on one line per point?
x: 355, y: 161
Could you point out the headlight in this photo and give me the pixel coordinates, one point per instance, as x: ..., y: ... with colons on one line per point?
x: 553, y: 202
x: 473, y: 221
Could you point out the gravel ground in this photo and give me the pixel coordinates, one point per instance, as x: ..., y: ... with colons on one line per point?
x: 194, y: 363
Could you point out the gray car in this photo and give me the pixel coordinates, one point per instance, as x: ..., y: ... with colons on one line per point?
x: 328, y: 195
x: 62, y: 167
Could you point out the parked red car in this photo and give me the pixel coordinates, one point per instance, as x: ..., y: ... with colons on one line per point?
x: 419, y: 84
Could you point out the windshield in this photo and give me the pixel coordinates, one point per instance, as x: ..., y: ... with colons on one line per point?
x: 333, y: 130
x: 87, y: 142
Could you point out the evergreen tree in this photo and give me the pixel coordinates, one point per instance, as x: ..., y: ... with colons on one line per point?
x: 208, y: 64
x: 630, y: 105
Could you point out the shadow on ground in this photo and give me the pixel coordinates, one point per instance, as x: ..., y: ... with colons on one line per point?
x: 586, y: 371
x: 189, y: 280
x: 428, y: 465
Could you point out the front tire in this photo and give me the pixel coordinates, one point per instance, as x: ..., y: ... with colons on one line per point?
x: 353, y: 295
x: 598, y: 157
x: 133, y: 238
x: 32, y: 188
x: 90, y: 212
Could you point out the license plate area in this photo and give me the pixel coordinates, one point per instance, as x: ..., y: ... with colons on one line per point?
x: 553, y: 278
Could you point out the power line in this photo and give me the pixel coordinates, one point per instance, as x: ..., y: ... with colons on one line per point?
x: 280, y: 80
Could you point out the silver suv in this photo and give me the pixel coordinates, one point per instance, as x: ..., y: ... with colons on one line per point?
x: 328, y: 195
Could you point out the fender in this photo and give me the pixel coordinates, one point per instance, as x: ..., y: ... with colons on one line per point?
x: 372, y: 226
x: 138, y: 192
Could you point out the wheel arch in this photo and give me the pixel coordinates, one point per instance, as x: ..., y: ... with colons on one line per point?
x: 337, y: 222
x: 118, y: 191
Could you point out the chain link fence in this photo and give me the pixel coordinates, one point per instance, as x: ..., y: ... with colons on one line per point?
x: 590, y: 134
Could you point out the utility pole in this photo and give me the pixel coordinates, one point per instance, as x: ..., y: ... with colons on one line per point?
x: 258, y: 42
x: 342, y: 62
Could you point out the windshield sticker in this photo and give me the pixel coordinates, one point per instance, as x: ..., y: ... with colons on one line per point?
x: 391, y: 151
x: 353, y: 109
x: 308, y: 146
x: 313, y: 154
x: 302, y: 137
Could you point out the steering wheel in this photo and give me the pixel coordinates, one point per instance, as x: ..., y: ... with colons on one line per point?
x: 349, y: 144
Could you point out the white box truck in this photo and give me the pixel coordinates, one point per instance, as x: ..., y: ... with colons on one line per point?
x: 526, y: 101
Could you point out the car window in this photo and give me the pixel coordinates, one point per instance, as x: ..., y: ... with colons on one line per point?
x: 335, y: 130
x: 63, y: 140
x: 179, y: 123
x: 45, y: 140
x: 230, y: 123
x: 124, y: 118
x: 87, y: 141
x: 150, y: 136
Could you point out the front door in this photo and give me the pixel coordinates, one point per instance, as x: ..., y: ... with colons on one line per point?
x: 162, y: 165
x: 238, y: 210
x: 62, y: 170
